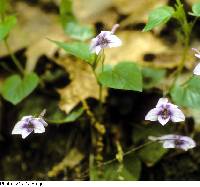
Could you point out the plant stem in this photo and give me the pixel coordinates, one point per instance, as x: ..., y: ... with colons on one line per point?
x: 187, y: 29
x: 100, y: 94
x: 182, y: 62
x: 14, y: 59
x: 85, y: 174
x: 129, y: 152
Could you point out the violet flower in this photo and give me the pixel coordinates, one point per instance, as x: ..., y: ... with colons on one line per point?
x: 164, y: 112
x: 175, y: 141
x: 196, y: 70
x: 106, y: 39
x: 28, y: 124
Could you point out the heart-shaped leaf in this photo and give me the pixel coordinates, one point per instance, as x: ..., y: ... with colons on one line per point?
x: 159, y: 16
x: 130, y: 171
x: 70, y: 24
x: 79, y: 32
x: 15, y: 89
x: 152, y: 153
x: 125, y: 76
x: 78, y: 49
x: 196, y: 9
x: 187, y: 95
x: 73, y: 116
x: 152, y: 77
x: 6, y: 26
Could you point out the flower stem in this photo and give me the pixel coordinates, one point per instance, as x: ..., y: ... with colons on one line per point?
x: 14, y: 59
x: 85, y: 174
x: 186, y: 29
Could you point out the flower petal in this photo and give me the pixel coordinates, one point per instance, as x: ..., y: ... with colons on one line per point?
x: 177, y: 115
x: 168, y: 144
x: 196, y: 70
x: 162, y: 101
x: 163, y: 121
x: 18, y: 128
x: 93, y: 45
x: 25, y: 133
x: 98, y: 49
x: 189, y: 143
x: 105, y: 34
x: 38, y: 126
x: 114, y: 41
x: 197, y: 55
x: 43, y: 122
x: 167, y: 137
x: 26, y: 118
x: 152, y: 115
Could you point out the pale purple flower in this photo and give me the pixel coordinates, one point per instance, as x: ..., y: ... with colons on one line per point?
x: 29, y: 124
x: 196, y: 70
x: 175, y: 141
x: 106, y: 39
x: 165, y: 111
x: 197, y: 54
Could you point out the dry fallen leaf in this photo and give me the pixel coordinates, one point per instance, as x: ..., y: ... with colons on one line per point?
x: 33, y: 28
x: 102, y: 17
x: 137, y: 11
x: 107, y: 11
x: 42, y: 47
x: 191, y: 2
x: 139, y: 8
x: 73, y: 158
x: 136, y: 44
x: 85, y: 9
x: 83, y: 84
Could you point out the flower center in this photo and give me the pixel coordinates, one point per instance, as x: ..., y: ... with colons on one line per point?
x: 179, y: 142
x: 28, y: 126
x: 165, y: 113
x: 102, y: 41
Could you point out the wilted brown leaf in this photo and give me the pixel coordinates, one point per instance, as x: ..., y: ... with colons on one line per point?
x: 102, y: 10
x: 31, y: 31
x: 137, y: 44
x: 137, y: 11
x: 85, y: 9
x: 83, y: 84
x: 73, y: 158
x: 191, y: 2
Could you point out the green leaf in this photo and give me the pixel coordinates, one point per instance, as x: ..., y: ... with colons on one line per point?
x: 141, y: 132
x: 151, y: 77
x: 196, y: 9
x: 71, y: 26
x: 3, y: 6
x: 78, y: 32
x: 125, y: 75
x: 130, y: 171
x: 187, y: 95
x: 152, y: 153
x: 42, y: 101
x: 66, y: 11
x: 15, y: 89
x: 78, y: 49
x: 73, y: 116
x: 158, y: 16
x: 6, y: 26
